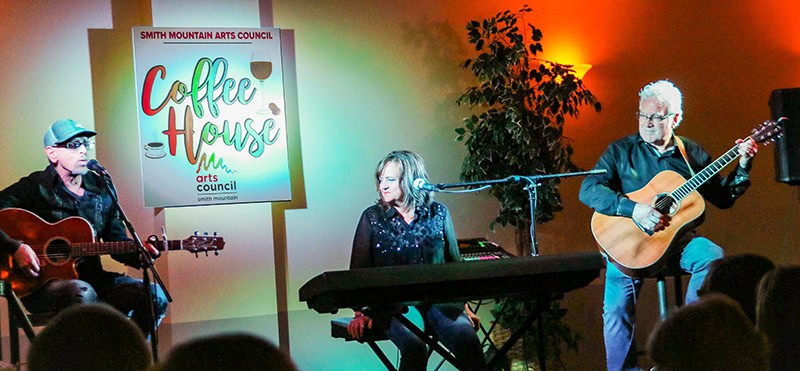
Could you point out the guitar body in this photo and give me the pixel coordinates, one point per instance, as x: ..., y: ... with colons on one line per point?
x: 49, y: 241
x: 635, y: 252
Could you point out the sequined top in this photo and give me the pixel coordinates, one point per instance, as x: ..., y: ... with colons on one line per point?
x: 383, y: 238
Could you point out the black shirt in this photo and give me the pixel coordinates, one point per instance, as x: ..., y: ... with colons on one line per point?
x: 44, y: 194
x: 631, y: 163
x: 383, y: 238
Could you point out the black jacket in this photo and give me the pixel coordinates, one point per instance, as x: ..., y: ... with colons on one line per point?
x: 43, y: 193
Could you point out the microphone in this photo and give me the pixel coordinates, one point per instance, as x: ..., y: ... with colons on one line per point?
x: 95, y: 166
x: 422, y: 185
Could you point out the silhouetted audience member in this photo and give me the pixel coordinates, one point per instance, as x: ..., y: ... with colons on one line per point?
x: 778, y: 316
x: 711, y: 334
x: 237, y: 351
x: 90, y: 337
x: 737, y: 276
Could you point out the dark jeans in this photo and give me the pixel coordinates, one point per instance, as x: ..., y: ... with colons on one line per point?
x: 122, y: 292
x: 453, y: 329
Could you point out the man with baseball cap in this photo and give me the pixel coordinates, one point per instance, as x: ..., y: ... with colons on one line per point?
x: 63, y: 130
x: 67, y: 188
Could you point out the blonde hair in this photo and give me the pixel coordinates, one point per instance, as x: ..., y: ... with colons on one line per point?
x: 411, y: 167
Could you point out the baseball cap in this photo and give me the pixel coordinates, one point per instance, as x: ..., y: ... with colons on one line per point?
x: 64, y: 130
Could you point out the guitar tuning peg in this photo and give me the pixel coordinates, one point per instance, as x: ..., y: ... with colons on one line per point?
x: 206, y: 253
x: 196, y: 233
x: 205, y: 234
x: 216, y: 252
x: 195, y: 255
x: 215, y: 234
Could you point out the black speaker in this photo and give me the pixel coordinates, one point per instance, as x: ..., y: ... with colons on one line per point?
x: 786, y: 102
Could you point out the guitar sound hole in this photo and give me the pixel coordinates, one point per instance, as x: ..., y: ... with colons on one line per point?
x: 665, y: 204
x: 57, y: 251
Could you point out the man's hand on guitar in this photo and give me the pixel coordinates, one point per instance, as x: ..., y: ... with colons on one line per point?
x: 649, y: 218
x: 27, y: 260
x: 747, y: 150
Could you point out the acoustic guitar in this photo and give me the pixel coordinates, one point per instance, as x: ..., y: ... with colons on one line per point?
x: 638, y: 252
x: 58, y: 244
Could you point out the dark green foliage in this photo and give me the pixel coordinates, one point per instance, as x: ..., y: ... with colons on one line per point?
x: 521, y: 104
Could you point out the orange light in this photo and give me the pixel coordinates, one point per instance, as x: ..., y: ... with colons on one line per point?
x: 581, y: 69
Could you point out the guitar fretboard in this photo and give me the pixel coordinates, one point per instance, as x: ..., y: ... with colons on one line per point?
x: 704, y: 175
x: 115, y: 247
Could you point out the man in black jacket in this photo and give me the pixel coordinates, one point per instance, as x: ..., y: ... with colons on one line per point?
x: 67, y: 188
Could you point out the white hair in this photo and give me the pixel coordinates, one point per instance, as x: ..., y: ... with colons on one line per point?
x: 666, y: 93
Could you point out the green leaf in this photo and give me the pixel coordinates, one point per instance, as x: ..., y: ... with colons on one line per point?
x: 519, y: 114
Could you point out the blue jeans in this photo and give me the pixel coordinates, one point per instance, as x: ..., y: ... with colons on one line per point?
x: 122, y: 292
x: 621, y: 292
x: 453, y: 329
x: 127, y: 294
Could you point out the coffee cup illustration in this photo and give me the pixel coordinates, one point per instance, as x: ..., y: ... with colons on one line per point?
x: 154, y: 150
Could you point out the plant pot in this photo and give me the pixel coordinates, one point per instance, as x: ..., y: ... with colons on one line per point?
x: 516, y: 356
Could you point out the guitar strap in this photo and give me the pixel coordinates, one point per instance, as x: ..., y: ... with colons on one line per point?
x: 679, y: 143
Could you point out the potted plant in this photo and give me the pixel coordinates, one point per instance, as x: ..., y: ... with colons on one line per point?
x: 520, y: 106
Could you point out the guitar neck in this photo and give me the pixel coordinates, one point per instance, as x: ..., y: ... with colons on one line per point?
x: 704, y: 175
x: 116, y: 247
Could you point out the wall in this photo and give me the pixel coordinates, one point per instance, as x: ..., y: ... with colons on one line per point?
x: 373, y: 76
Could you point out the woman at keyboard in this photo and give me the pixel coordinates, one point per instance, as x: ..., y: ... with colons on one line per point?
x: 406, y: 226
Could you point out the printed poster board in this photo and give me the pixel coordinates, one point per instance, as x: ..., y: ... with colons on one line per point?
x: 212, y: 128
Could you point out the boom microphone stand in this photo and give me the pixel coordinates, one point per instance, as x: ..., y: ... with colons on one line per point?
x: 533, y: 182
x: 146, y: 260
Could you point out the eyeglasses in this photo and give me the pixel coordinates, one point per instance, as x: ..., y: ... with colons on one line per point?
x: 654, y: 117
x: 76, y: 144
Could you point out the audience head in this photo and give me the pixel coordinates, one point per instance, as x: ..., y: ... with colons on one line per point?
x: 89, y: 337
x: 711, y: 334
x: 778, y: 316
x: 239, y: 351
x: 737, y: 276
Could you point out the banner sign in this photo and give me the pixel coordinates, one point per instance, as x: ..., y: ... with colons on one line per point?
x: 212, y: 128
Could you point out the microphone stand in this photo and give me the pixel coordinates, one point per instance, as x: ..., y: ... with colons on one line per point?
x: 146, y: 261
x: 533, y: 182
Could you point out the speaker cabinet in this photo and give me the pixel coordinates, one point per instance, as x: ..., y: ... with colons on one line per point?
x: 786, y: 102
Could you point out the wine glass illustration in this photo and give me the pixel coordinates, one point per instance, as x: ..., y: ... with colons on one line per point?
x: 261, y: 68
